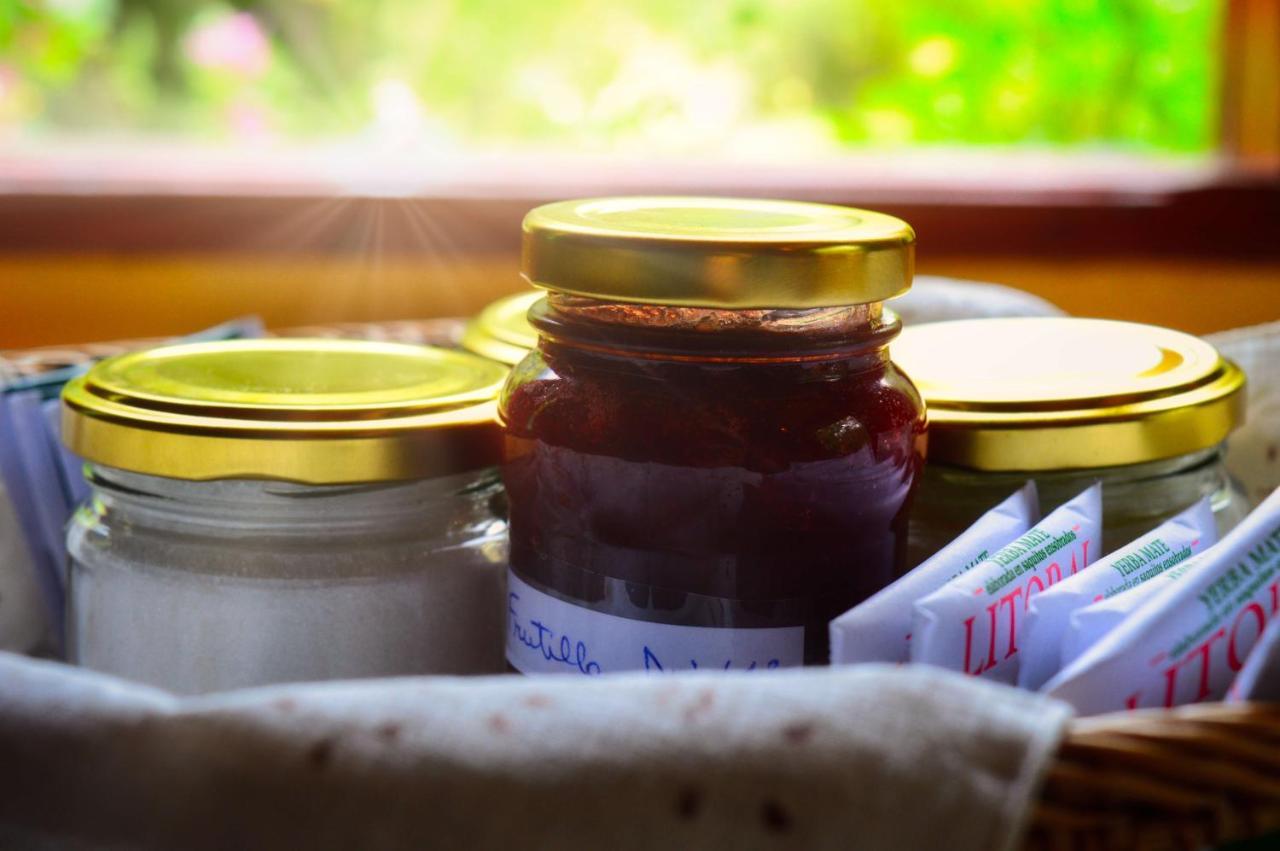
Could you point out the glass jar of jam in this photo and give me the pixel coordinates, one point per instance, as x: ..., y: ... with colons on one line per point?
x: 1066, y: 402
x: 709, y: 454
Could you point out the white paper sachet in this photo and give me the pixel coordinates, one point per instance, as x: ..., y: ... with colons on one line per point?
x: 1259, y: 679
x: 1048, y: 615
x: 1088, y: 625
x: 971, y: 623
x: 879, y: 628
x: 1187, y: 642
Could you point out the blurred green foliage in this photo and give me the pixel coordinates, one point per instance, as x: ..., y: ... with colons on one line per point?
x: 657, y: 75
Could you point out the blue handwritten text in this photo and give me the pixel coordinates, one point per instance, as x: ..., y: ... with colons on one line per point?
x: 653, y: 663
x: 542, y: 639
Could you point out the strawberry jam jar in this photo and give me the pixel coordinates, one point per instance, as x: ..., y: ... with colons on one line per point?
x: 709, y: 455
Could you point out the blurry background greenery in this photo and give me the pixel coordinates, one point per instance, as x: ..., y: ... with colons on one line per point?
x: 760, y: 77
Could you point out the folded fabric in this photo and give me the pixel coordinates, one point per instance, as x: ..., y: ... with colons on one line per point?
x: 872, y: 757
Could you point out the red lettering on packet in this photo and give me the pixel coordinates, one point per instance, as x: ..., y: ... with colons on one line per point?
x: 1034, y: 584
x: 968, y: 646
x: 1203, y: 652
x: 1131, y: 702
x: 991, y: 642
x: 1039, y: 587
x: 1234, y: 659
x: 991, y: 633
x: 1011, y: 598
x: 1053, y: 573
x: 1084, y: 559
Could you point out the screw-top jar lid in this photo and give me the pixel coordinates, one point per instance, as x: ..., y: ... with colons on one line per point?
x: 1065, y: 393
x: 312, y: 411
x: 502, y: 331
x: 718, y: 252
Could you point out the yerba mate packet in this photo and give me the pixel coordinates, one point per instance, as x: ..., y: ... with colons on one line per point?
x: 879, y: 628
x: 1186, y: 643
x: 1048, y: 615
x: 1088, y: 625
x: 971, y: 624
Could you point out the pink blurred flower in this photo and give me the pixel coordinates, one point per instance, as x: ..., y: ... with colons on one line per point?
x: 233, y: 43
x: 249, y: 121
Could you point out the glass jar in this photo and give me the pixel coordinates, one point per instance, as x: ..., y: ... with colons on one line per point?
x: 1067, y: 402
x: 709, y: 455
x: 282, y: 510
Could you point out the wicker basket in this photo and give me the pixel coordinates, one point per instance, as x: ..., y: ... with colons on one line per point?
x: 1185, y: 778
x: 1181, y: 779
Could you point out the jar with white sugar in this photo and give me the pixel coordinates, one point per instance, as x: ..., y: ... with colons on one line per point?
x: 1068, y: 401
x: 272, y: 511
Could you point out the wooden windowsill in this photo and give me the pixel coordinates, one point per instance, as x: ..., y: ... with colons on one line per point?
x: 100, y: 245
x: 180, y: 199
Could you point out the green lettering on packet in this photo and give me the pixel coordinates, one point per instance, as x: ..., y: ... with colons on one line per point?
x: 1153, y: 570
x: 971, y: 624
x: 1030, y: 561
x: 1064, y: 621
x: 1136, y: 561
x: 1221, y: 589
x: 1190, y: 639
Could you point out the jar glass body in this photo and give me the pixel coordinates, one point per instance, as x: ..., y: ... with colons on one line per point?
x: 1136, y: 497
x: 727, y: 471
x: 204, y: 586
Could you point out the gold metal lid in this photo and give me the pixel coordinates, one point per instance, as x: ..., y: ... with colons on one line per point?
x: 502, y: 331
x: 718, y: 252
x: 312, y: 411
x: 1055, y: 393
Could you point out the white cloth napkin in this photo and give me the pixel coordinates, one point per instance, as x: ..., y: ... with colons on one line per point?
x: 936, y: 299
x: 867, y: 757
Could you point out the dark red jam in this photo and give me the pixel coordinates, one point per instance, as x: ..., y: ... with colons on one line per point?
x: 710, y: 468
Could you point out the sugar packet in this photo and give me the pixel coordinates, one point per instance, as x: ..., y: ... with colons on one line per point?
x: 1188, y: 641
x: 1259, y: 679
x: 1048, y: 615
x: 879, y: 628
x: 971, y: 623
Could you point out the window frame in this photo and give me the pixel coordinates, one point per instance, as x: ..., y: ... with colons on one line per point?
x: 967, y: 203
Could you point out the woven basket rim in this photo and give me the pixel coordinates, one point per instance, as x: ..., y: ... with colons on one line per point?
x: 1180, y: 778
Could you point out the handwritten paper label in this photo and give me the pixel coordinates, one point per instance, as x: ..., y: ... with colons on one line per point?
x: 546, y: 635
